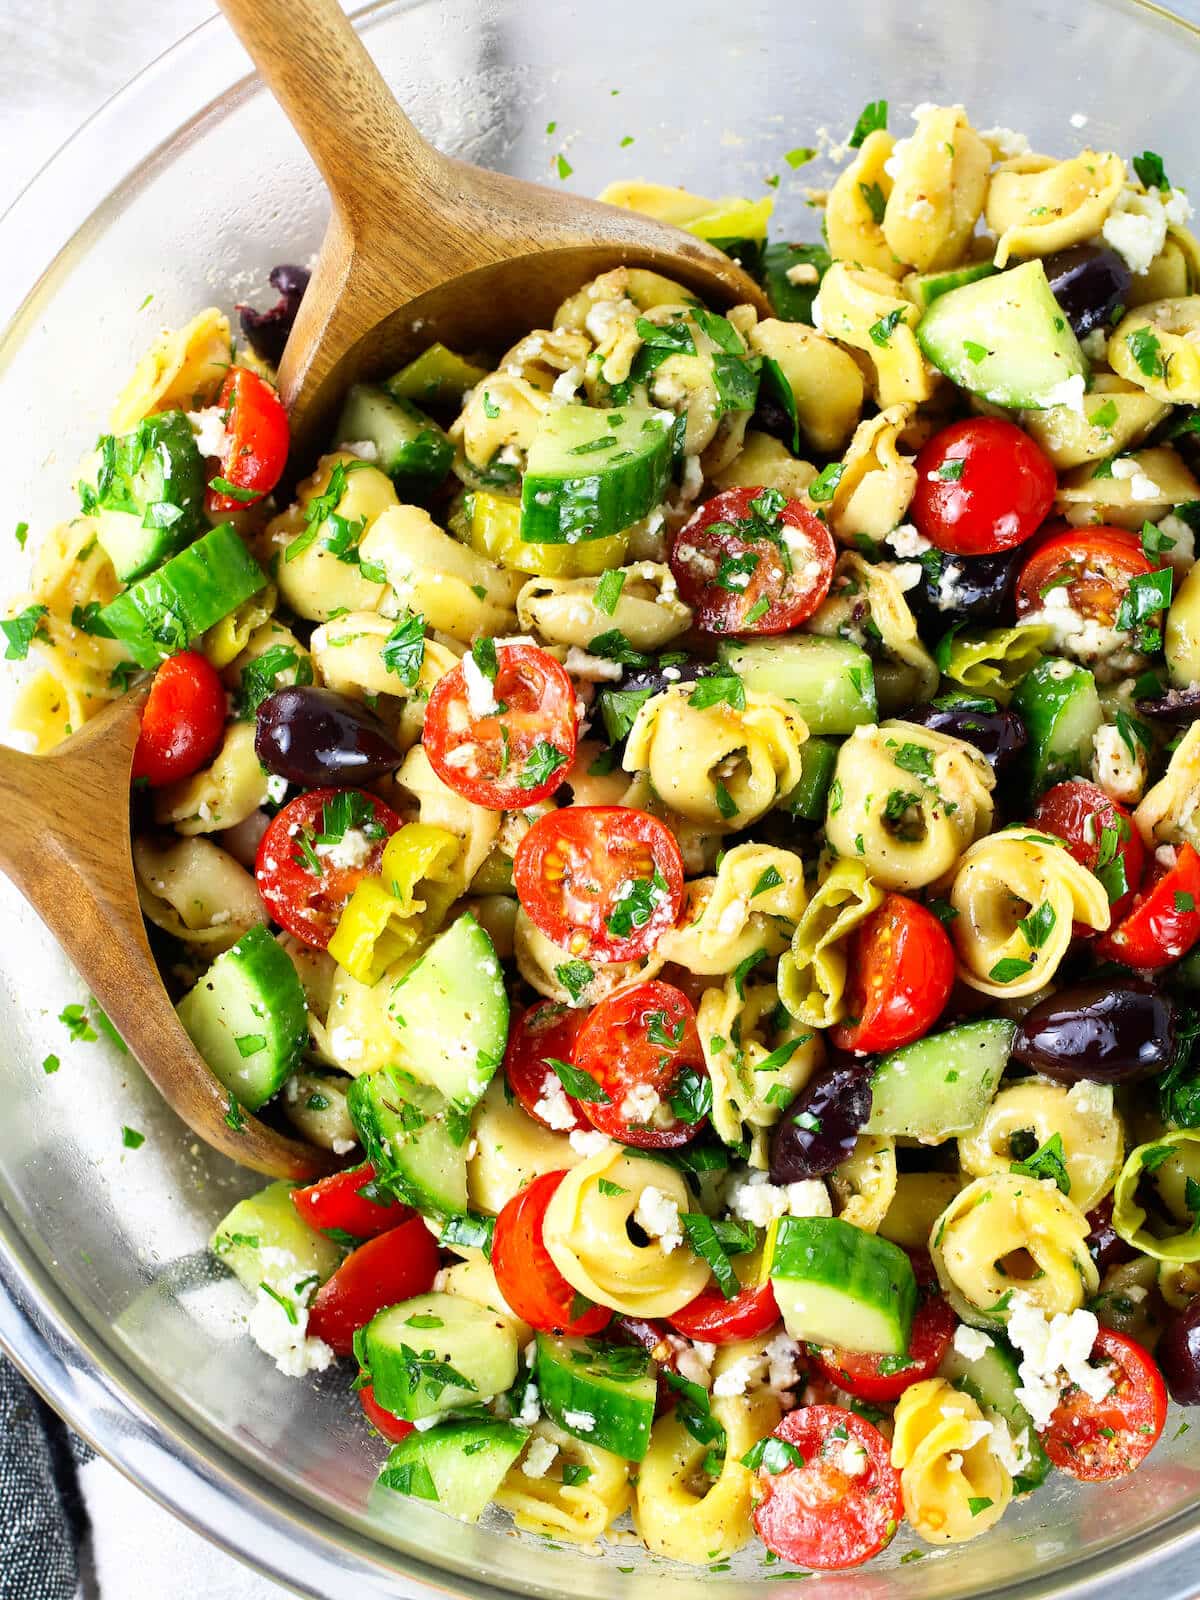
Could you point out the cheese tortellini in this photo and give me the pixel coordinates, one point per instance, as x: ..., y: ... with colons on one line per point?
x: 853, y: 301
x: 648, y: 610
x: 757, y: 1062
x: 1037, y: 206
x: 577, y: 1504
x: 1081, y: 1118
x: 954, y: 1487
x: 812, y: 975
x: 867, y: 604
x: 938, y: 189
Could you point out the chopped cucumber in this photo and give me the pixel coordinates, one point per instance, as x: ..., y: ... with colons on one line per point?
x: 438, y: 377
x: 1060, y: 706
x: 248, y: 1017
x: 818, y: 758
x: 265, y: 1240
x: 940, y: 1086
x: 1004, y: 337
x: 837, y: 1284
x: 451, y: 1010
x: 926, y: 287
x: 415, y: 1143
x: 460, y: 1465
x: 601, y: 1393
x: 148, y: 494
x: 792, y: 302
x: 434, y: 1352
x: 992, y: 1380
x: 168, y: 610
x: 412, y: 449
x: 491, y: 524
x: 593, y: 472
x: 830, y: 681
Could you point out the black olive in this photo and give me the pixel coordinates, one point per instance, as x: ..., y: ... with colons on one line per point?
x: 657, y: 678
x: 1105, y: 1244
x: 818, y: 1130
x: 1177, y: 706
x: 1178, y: 1354
x: 1089, y: 281
x: 998, y: 735
x: 267, y: 331
x: 316, y: 738
x: 956, y: 587
x: 1110, y: 1033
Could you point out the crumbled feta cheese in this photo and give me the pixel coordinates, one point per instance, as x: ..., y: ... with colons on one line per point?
x: 553, y: 1106
x: 279, y: 1326
x: 481, y: 697
x: 751, y: 1197
x: 947, y: 586
x: 1084, y: 638
x: 852, y: 1459
x: 733, y: 917
x: 783, y: 1369
x: 907, y: 574
x: 803, y: 272
x: 353, y: 849
x: 976, y: 1432
x: 658, y: 1215
x: 604, y: 313
x: 1013, y: 1454
x: 735, y: 1380
x: 1136, y: 227
x: 1091, y: 1099
x: 971, y: 1343
x: 954, y: 1462
x: 692, y: 481
x: 1054, y: 1354
x: 344, y: 1043
x: 1166, y: 855
x: 640, y: 1103
x: 565, y: 385
x: 583, y: 1420
x: 1182, y: 552
x: 1119, y: 771
x: 208, y: 425
x: 342, y: 1147
x: 539, y: 1457
x: 531, y: 1408
x: 1069, y: 392
x: 587, y: 1142
x: 277, y: 788
x: 364, y: 449
x: 593, y: 669
x: 1078, y: 119
x: 907, y: 542
x: 1008, y: 142
x: 1095, y: 344
x: 921, y: 210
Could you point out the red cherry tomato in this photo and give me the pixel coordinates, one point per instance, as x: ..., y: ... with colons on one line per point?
x: 1164, y: 921
x: 641, y: 1044
x: 392, y: 1427
x: 1100, y: 834
x: 601, y: 881
x: 1100, y: 1439
x: 901, y: 974
x: 712, y: 1319
x: 982, y: 486
x: 520, y: 749
x: 182, y: 721
x: 256, y: 451
x: 1092, y: 565
x: 751, y: 561
x: 531, y: 1284
x: 304, y: 890
x: 813, y: 1512
x: 393, y: 1267
x: 335, y: 1202
x: 879, y: 1378
x: 546, y: 1029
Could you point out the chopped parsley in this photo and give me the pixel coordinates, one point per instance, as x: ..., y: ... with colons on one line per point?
x: 872, y: 117
x: 577, y: 1082
x: 403, y: 651
x: 1047, y: 1161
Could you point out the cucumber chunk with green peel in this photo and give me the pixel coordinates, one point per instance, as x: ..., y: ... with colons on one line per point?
x: 601, y: 1393
x: 248, y: 1017
x: 458, y: 1465
x: 414, y: 1140
x: 410, y: 447
x: 992, y: 1380
x: 836, y: 1284
x: 818, y: 759
x: 264, y: 1240
x: 926, y: 287
x: 148, y: 493
x: 830, y: 681
x: 438, y: 377
x: 1004, y: 337
x: 1060, y: 707
x: 451, y: 1013
x: 593, y: 471
x: 167, y: 611
x: 434, y: 1352
x: 940, y: 1086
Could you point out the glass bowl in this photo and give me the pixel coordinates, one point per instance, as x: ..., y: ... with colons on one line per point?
x: 185, y: 189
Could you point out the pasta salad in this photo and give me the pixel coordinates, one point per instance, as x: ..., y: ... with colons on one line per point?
x: 700, y: 813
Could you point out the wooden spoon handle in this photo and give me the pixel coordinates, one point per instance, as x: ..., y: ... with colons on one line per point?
x: 333, y: 94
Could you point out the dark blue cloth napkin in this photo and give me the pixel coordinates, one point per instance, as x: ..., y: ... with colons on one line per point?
x: 42, y: 1519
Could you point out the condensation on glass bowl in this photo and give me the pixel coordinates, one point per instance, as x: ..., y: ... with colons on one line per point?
x: 187, y: 188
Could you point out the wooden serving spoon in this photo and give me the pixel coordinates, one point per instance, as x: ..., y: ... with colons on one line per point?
x: 421, y: 247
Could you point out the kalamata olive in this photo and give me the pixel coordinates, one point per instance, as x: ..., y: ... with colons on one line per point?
x: 316, y: 738
x: 818, y: 1130
x: 1105, y: 1244
x: 999, y: 735
x: 657, y: 678
x: 1110, y: 1033
x: 1178, y: 1354
x: 268, y: 331
x: 1177, y: 706
x: 1089, y: 282
x: 975, y: 587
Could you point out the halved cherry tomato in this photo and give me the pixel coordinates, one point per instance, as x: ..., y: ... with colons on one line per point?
x: 601, y: 881
x: 393, y: 1267
x: 1100, y: 1439
x: 335, y: 1202
x: 752, y: 561
x: 901, y: 974
x: 714, y: 1320
x: 826, y: 1506
x: 642, y: 1048
x: 507, y: 742
x: 392, y: 1427
x: 546, y: 1029
x: 301, y: 883
x: 1100, y: 834
x: 982, y: 486
x: 1092, y: 565
x: 256, y: 451
x: 883, y: 1378
x: 531, y: 1284
x: 1164, y: 921
x: 182, y: 721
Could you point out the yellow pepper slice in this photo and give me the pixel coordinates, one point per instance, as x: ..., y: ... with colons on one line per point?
x: 387, y: 916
